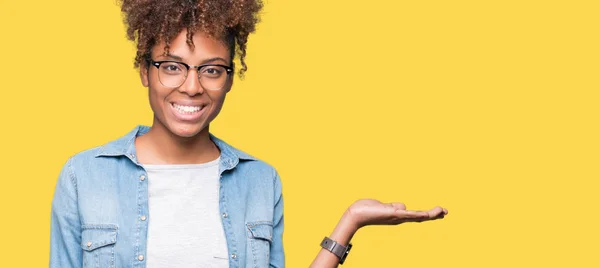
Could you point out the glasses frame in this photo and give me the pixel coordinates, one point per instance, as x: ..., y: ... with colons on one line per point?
x: 228, y: 70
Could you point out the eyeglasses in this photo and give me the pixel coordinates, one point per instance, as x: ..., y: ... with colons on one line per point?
x: 173, y: 74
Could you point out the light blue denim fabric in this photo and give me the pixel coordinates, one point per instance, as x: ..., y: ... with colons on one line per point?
x: 100, y: 208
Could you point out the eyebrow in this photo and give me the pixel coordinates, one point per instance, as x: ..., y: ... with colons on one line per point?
x: 210, y: 60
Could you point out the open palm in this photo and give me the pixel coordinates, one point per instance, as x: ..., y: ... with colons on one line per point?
x: 372, y: 212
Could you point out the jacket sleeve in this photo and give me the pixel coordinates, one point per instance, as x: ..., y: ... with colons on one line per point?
x: 65, y: 227
x: 277, y: 254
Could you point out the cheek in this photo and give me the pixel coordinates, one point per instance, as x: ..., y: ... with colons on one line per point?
x: 217, y: 103
x: 156, y: 98
x: 152, y: 97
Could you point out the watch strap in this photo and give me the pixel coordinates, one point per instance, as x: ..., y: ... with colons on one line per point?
x: 337, y: 249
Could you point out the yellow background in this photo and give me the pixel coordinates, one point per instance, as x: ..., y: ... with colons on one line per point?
x: 489, y: 108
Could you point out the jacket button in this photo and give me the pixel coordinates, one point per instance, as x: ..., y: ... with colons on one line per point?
x: 141, y: 257
x: 225, y: 215
x: 142, y: 178
x: 89, y: 244
x: 143, y: 218
x: 233, y: 256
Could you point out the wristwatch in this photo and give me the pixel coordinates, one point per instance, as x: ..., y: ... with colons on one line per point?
x: 336, y: 249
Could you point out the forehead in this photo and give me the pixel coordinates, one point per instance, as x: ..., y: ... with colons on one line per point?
x: 203, y: 47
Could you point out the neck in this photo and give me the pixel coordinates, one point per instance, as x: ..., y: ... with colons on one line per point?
x: 161, y: 146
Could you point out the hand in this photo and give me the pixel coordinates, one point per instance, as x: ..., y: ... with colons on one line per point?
x: 372, y: 212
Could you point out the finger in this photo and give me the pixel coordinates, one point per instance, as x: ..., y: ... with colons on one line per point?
x: 436, y: 212
x: 413, y: 215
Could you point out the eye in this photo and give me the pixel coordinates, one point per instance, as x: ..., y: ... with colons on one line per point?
x: 171, y: 68
x: 212, y: 71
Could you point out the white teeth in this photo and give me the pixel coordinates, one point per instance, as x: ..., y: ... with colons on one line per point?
x: 187, y: 109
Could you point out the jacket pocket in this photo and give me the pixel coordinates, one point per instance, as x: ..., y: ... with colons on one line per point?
x: 260, y: 234
x: 98, y: 244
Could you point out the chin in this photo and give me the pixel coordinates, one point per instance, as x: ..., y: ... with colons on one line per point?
x: 186, y: 131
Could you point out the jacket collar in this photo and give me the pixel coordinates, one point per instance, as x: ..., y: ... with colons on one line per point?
x: 125, y: 146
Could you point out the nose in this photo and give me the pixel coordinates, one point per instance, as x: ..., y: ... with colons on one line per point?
x: 191, y: 85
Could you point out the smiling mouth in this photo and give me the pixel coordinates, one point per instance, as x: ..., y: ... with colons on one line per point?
x: 187, y: 109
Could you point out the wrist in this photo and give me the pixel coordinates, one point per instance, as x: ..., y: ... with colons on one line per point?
x: 345, y: 229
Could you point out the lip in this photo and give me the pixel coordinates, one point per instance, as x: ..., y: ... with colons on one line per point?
x: 183, y: 116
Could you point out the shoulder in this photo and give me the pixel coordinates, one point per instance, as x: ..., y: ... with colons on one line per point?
x: 87, y: 158
x: 254, y: 164
x: 106, y: 157
x: 245, y: 163
x: 86, y: 155
x: 122, y: 146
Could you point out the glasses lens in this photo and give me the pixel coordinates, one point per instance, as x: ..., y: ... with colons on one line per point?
x: 213, y: 77
x: 172, y: 74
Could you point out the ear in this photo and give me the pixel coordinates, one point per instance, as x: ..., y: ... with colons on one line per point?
x: 144, y: 73
x: 230, y: 83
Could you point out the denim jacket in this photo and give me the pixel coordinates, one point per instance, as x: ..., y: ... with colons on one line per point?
x: 100, y: 208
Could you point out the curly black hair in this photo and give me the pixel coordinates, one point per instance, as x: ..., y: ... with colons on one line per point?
x: 153, y: 21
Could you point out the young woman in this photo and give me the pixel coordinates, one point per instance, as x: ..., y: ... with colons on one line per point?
x: 174, y: 195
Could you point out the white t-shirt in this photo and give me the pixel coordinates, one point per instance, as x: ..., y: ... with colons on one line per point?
x: 184, y: 228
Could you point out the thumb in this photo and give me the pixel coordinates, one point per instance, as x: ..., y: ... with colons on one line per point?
x: 399, y: 206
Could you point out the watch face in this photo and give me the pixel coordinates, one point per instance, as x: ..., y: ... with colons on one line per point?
x: 328, y: 244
